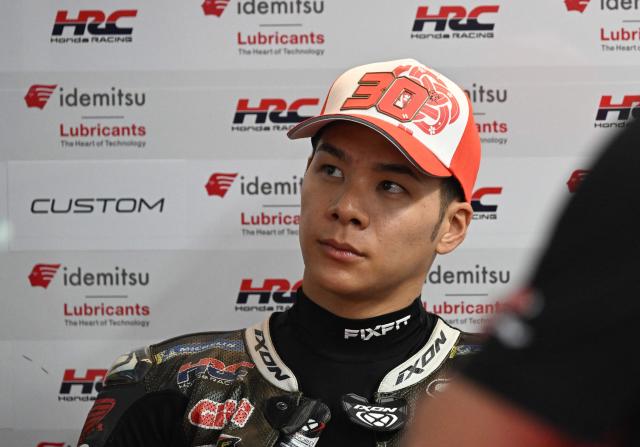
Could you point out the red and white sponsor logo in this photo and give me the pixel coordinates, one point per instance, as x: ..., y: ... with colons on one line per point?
x: 628, y: 107
x: 479, y: 205
x: 89, y: 383
x: 213, y: 415
x: 576, y: 5
x: 42, y: 274
x: 576, y: 179
x: 99, y: 411
x: 219, y: 183
x: 51, y: 444
x: 408, y: 94
x: 280, y: 290
x: 93, y: 21
x: 455, y: 18
x: 274, y: 110
x: 214, y: 7
x: 38, y: 95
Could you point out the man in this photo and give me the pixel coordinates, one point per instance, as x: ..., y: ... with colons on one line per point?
x: 387, y: 187
x: 561, y: 370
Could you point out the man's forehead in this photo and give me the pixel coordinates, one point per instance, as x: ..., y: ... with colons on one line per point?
x: 381, y: 162
x: 351, y: 140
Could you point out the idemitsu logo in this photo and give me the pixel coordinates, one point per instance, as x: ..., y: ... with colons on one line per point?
x: 219, y: 183
x: 465, y: 25
x: 214, y: 7
x: 38, y: 95
x: 99, y: 285
x: 492, y: 131
x: 101, y: 27
x: 42, y: 274
x: 576, y: 5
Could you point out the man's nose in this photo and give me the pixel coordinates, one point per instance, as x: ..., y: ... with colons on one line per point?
x: 349, y: 206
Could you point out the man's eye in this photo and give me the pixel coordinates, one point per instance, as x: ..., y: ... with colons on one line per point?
x: 391, y: 187
x: 332, y: 171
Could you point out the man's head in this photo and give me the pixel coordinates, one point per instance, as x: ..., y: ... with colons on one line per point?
x: 388, y: 185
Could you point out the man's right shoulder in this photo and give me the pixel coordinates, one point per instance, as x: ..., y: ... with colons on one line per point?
x: 165, y: 358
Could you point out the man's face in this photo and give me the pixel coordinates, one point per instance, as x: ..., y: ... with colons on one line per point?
x: 367, y: 216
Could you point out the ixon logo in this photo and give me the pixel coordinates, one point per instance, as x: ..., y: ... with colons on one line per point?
x: 455, y: 19
x: 621, y: 112
x: 279, y: 292
x: 78, y: 387
x: 576, y: 5
x: 214, y: 7
x: 270, y: 114
x: 482, y: 203
x: 42, y: 274
x: 38, y: 95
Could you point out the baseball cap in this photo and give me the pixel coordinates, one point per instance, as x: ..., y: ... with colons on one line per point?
x: 421, y: 112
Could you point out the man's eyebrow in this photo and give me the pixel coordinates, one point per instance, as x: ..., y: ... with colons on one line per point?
x: 338, y: 153
x: 397, y: 169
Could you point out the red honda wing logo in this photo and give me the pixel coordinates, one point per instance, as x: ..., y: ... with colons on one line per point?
x: 38, y: 95
x: 214, y: 7
x: 42, y: 274
x: 219, y: 183
x: 98, y: 412
x: 576, y: 5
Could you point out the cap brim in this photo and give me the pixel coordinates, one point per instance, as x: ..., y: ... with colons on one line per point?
x: 418, y: 154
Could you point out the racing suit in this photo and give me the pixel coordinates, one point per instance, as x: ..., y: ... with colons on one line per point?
x: 233, y: 389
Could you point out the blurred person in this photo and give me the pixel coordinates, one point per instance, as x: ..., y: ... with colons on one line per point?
x: 560, y: 369
x: 387, y: 187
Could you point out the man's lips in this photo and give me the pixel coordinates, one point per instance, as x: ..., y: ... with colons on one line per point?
x: 340, y: 249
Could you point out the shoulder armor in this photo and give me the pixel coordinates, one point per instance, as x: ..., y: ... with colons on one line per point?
x: 186, y: 345
x: 426, y: 361
x: 129, y: 368
x: 468, y: 344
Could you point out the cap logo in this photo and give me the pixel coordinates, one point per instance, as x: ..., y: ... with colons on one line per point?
x: 407, y: 94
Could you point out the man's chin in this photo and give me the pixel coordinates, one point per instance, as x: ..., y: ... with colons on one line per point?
x: 337, y: 282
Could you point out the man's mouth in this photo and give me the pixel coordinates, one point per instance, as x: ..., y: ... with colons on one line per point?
x: 340, y: 250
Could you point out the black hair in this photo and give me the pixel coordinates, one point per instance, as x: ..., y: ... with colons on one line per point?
x: 450, y: 191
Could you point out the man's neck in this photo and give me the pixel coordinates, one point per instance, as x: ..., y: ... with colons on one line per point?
x: 364, y: 339
x: 361, y: 305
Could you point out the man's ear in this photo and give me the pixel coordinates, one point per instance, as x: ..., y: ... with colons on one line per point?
x: 454, y: 226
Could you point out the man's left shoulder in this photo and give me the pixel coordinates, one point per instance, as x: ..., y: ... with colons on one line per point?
x: 469, y: 343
